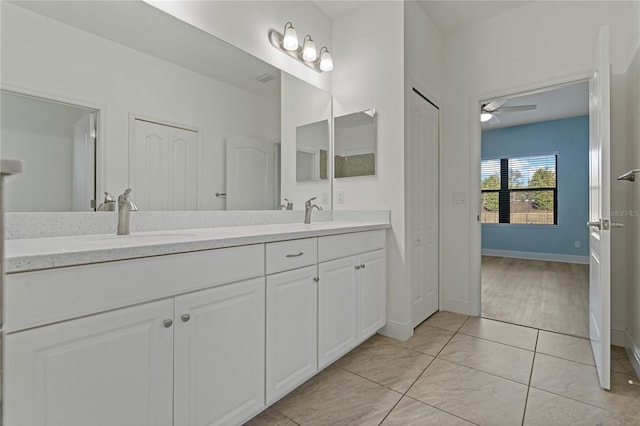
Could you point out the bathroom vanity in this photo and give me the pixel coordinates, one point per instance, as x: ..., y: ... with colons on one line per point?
x: 185, y: 327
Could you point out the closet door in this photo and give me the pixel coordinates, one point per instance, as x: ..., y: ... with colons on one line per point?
x: 163, y: 167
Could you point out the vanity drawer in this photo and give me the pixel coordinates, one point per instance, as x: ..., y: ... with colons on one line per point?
x: 343, y: 245
x: 293, y: 254
x: 47, y: 296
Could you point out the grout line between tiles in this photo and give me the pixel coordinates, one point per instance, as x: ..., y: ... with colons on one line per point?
x: 495, y: 341
x: 533, y: 361
x: 440, y: 409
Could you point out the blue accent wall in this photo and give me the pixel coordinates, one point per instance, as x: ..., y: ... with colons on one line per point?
x: 568, y: 137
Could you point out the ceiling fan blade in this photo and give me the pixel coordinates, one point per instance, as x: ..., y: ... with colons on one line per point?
x: 493, y: 105
x: 516, y: 108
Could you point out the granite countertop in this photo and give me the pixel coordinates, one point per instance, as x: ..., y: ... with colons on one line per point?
x: 29, y: 254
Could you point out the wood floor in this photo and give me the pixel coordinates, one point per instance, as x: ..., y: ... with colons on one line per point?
x: 546, y: 295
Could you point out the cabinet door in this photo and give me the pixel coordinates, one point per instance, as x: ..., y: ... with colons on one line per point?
x: 219, y: 354
x: 292, y: 322
x: 337, y: 309
x: 372, y: 291
x: 108, y: 369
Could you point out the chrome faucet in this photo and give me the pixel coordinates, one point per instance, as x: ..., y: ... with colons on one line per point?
x: 125, y: 207
x: 288, y: 206
x: 308, y: 208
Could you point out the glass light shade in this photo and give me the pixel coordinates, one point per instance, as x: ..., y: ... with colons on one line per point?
x: 326, y: 62
x: 290, y: 39
x: 486, y: 116
x: 309, y: 52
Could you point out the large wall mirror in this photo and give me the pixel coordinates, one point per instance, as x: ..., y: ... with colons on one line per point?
x: 185, y: 119
x: 355, y: 137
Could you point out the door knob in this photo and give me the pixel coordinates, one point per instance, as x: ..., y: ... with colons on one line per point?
x: 594, y: 224
x: 617, y: 225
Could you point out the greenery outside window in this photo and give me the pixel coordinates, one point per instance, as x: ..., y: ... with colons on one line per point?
x: 520, y: 190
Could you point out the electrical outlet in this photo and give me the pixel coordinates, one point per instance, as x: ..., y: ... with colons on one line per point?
x: 576, y: 244
x: 340, y: 196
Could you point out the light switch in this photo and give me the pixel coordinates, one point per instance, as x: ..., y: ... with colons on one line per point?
x: 459, y: 197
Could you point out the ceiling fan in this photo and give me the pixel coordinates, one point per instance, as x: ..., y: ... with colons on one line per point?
x: 496, y: 107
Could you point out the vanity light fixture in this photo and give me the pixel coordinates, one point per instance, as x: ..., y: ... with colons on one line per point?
x: 326, y: 61
x: 307, y: 53
x: 309, y: 49
x: 290, y: 38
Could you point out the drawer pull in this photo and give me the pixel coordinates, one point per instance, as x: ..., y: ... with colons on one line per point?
x: 295, y: 255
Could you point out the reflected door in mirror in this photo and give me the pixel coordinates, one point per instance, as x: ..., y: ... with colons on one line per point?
x: 164, y: 166
x: 250, y: 164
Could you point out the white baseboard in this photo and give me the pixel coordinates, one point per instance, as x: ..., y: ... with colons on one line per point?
x: 618, y: 337
x: 532, y: 255
x: 455, y: 305
x: 397, y: 330
x: 633, y: 350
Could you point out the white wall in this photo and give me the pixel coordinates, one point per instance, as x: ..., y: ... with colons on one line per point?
x: 547, y: 41
x: 302, y: 104
x: 61, y: 61
x: 246, y: 25
x: 632, y: 221
x: 355, y: 140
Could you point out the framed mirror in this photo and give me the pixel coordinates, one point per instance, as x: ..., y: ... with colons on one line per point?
x: 186, y: 120
x: 355, y: 144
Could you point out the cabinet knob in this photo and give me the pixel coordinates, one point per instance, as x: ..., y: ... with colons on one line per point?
x: 363, y: 265
x: 316, y: 279
x: 358, y: 266
x: 167, y: 323
x: 185, y: 317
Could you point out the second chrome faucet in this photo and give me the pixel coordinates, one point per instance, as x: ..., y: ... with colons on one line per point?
x: 308, y: 208
x: 125, y: 207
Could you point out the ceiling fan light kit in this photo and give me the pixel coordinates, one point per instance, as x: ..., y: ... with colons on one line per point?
x: 488, y: 111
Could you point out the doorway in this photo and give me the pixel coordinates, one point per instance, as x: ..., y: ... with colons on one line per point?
x: 534, y: 205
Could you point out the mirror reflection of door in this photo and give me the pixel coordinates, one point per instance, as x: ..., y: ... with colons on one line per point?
x: 249, y: 173
x: 57, y: 143
x: 164, y: 166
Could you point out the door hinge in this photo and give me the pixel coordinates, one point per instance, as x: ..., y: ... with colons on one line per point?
x: 478, y: 218
x: 605, y: 224
x: 93, y: 204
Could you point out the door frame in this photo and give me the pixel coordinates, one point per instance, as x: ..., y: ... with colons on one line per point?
x: 88, y: 104
x: 408, y: 216
x: 475, y: 154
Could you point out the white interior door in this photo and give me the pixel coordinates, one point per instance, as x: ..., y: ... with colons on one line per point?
x: 599, y: 214
x: 249, y: 174
x: 84, y: 172
x: 422, y: 184
x: 164, y: 167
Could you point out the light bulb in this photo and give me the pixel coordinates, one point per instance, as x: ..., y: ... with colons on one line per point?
x: 486, y: 116
x: 326, y: 62
x: 290, y: 39
x: 309, y: 52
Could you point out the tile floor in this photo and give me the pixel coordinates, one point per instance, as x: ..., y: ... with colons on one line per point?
x: 459, y: 370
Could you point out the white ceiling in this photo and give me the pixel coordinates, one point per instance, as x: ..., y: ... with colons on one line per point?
x: 164, y: 37
x: 449, y: 15
x: 563, y: 102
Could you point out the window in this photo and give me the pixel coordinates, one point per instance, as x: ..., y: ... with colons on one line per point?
x: 520, y: 190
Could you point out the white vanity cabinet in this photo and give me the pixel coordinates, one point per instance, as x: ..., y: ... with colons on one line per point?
x: 291, y: 321
x: 195, y: 358
x: 114, y: 368
x: 219, y: 354
x: 351, y: 292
